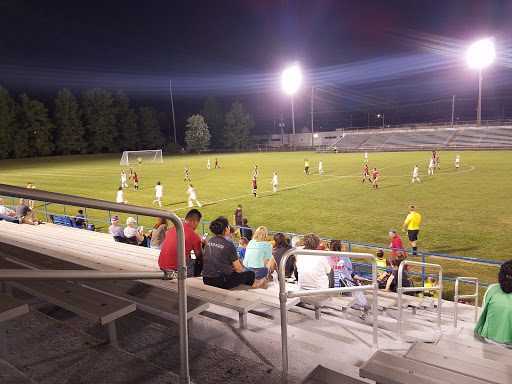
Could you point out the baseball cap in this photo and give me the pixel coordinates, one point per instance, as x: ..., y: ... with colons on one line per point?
x: 130, y: 220
x: 114, y: 218
x: 392, y: 230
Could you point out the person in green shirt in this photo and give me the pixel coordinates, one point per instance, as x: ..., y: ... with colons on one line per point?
x: 495, y: 323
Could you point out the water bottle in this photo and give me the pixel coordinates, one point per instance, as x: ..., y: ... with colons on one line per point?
x: 274, y: 276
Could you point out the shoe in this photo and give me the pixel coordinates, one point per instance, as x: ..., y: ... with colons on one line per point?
x: 362, y: 316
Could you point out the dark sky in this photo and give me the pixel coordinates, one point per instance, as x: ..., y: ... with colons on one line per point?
x: 360, y: 54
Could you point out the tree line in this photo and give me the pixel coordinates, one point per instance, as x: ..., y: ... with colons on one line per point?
x: 96, y: 122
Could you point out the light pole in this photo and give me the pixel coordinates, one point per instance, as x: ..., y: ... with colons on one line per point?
x: 480, y: 55
x: 291, y: 80
x: 382, y: 120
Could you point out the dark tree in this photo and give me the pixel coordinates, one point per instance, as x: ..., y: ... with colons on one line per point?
x: 214, y: 118
x: 150, y: 135
x: 238, y: 127
x: 99, y: 118
x: 7, y: 113
x: 69, y: 130
x: 126, y: 122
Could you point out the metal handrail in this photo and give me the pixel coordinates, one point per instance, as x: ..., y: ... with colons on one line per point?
x: 38, y: 194
x: 456, y: 297
x: 283, y: 296
x: 400, y: 290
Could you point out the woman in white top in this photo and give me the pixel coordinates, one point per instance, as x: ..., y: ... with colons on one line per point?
x: 120, y: 196
x: 274, y: 182
x: 313, y: 270
x: 159, y: 194
x: 123, y: 179
x: 192, y: 196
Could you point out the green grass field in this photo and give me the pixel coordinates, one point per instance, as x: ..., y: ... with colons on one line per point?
x: 465, y: 211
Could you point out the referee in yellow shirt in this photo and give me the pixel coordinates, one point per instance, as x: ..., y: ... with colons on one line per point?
x: 412, y: 225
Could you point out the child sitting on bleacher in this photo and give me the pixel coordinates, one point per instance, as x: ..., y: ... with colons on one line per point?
x: 431, y: 282
x: 383, y: 265
x: 242, y: 246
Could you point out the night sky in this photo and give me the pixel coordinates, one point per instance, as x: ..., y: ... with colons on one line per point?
x: 361, y: 56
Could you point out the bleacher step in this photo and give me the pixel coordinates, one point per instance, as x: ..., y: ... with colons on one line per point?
x: 9, y: 374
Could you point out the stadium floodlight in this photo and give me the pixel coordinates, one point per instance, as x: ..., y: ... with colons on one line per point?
x: 382, y: 120
x: 480, y: 55
x: 291, y: 80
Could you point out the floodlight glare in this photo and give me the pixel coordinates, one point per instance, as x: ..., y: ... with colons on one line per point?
x: 292, y: 78
x: 481, y: 53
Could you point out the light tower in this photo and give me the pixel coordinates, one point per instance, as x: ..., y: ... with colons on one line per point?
x: 291, y: 80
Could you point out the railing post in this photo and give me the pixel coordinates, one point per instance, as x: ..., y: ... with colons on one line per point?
x: 456, y: 297
x: 45, y: 212
x: 64, y: 209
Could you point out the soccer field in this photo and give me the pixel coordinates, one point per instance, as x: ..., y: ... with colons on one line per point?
x: 465, y: 211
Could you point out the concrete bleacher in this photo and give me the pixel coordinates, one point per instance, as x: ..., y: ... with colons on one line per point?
x: 351, y: 141
x: 338, y: 342
x: 476, y: 137
x: 408, y: 139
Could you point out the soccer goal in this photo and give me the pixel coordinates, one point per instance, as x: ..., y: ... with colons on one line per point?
x: 144, y: 157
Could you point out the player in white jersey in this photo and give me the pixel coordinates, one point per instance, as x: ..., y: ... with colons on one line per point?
x: 192, y: 196
x: 159, y: 194
x: 123, y: 179
x: 415, y: 174
x: 320, y: 165
x: 457, y: 159
x: 208, y: 164
x: 274, y: 182
x: 431, y: 166
x: 366, y: 157
x: 120, y: 196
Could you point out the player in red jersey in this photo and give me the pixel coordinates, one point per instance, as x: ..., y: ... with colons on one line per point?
x: 375, y: 177
x: 255, y: 171
x: 254, y: 186
x: 438, y: 165
x: 135, y: 181
x: 366, y: 175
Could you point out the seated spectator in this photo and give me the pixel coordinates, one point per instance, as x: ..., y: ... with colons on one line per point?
x: 313, y: 270
x: 258, y: 255
x: 396, y: 242
x: 245, y: 230
x: 116, y: 231
x: 158, y: 235
x: 401, y: 256
x: 280, y: 247
x: 431, y: 282
x: 382, y: 266
x: 80, y: 219
x: 230, y: 235
x: 495, y: 322
x: 26, y: 214
x: 7, y: 214
x: 392, y: 283
x: 242, y: 246
x: 222, y: 267
x: 134, y: 235
x: 168, y: 259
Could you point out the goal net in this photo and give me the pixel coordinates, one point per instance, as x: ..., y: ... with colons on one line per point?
x: 149, y: 156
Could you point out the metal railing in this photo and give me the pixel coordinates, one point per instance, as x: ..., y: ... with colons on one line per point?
x: 456, y: 297
x: 401, y: 289
x: 36, y: 194
x: 283, y: 295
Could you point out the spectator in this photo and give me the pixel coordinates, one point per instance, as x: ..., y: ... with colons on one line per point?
x: 80, y: 219
x: 222, y: 267
x: 382, y: 265
x: 431, y: 282
x: 246, y: 231
x: 26, y: 214
x: 280, y: 247
x: 392, y: 283
x: 296, y: 242
x: 258, y: 256
x: 7, y: 214
x: 116, y: 231
x: 158, y: 235
x: 230, y: 235
x: 168, y: 259
x: 313, y: 270
x: 134, y: 235
x: 237, y: 219
x: 242, y: 246
x: 396, y: 242
x: 495, y: 323
x: 401, y: 256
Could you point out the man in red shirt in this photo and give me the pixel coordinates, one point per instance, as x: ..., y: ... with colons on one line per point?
x: 396, y: 242
x: 168, y: 259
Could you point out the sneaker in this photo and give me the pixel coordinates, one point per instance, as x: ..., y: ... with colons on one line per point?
x: 362, y: 316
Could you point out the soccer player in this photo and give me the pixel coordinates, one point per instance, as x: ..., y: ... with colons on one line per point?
x: 254, y: 186
x: 306, y: 166
x: 366, y: 174
x: 31, y: 203
x: 375, y: 178
x: 159, y: 194
x: 255, y: 171
x: 335, y: 149
x: 457, y: 159
x: 123, y: 179
x: 120, y: 196
x: 274, y: 182
x: 412, y: 227
x: 365, y: 157
x: 320, y: 165
x: 135, y: 181
x: 415, y: 175
x: 217, y: 164
x: 192, y: 196
x: 131, y: 173
x: 431, y: 166
x: 434, y: 155
x: 139, y: 160
x: 438, y: 165
x: 186, y: 175
x: 208, y: 164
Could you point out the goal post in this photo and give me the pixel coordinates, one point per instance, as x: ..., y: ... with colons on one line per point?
x: 147, y: 156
